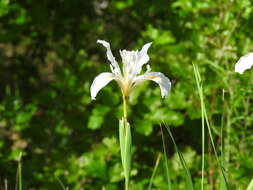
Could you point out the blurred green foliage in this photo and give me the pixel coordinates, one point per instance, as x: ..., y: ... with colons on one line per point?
x: 49, y: 57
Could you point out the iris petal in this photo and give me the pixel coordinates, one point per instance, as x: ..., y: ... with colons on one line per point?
x: 99, y: 82
x: 143, y: 56
x: 244, y: 63
x: 110, y: 56
x: 163, y: 82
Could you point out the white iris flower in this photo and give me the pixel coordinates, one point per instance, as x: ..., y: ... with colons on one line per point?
x: 130, y: 76
x: 244, y: 63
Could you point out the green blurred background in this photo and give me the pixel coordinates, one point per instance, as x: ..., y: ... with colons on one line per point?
x: 49, y: 57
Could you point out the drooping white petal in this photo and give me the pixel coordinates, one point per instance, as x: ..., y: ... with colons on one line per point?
x: 110, y: 56
x: 99, y: 82
x: 157, y: 77
x: 244, y: 63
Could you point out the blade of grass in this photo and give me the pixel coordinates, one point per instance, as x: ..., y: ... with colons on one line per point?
x: 60, y: 182
x: 5, y: 184
x: 215, y: 152
x: 199, y: 86
x: 166, y: 162
x: 200, y: 91
x: 223, y: 183
x: 154, y: 171
x: 19, y: 173
x: 250, y: 187
x: 187, y: 174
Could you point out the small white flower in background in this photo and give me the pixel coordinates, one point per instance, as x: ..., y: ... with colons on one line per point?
x: 130, y: 76
x: 244, y: 63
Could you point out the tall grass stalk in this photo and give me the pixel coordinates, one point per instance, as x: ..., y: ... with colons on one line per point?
x: 154, y: 171
x: 19, y: 173
x: 200, y: 91
x: 169, y: 184
x: 223, y: 183
x: 203, y: 107
x: 60, y: 182
x: 188, y: 178
x: 5, y: 184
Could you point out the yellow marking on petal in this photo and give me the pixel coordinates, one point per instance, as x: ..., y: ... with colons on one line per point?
x: 158, y: 79
x: 152, y: 77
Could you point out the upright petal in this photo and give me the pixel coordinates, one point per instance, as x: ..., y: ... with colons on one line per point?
x: 143, y: 56
x: 130, y: 61
x: 99, y: 82
x: 110, y: 55
x: 157, y: 77
x: 244, y: 63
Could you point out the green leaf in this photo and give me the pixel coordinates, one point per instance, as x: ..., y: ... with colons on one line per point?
x: 122, y: 140
x: 125, y: 139
x: 250, y: 187
x: 144, y: 127
x: 115, y: 173
x: 97, y: 117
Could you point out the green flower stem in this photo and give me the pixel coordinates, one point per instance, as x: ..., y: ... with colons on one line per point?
x: 125, y: 107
